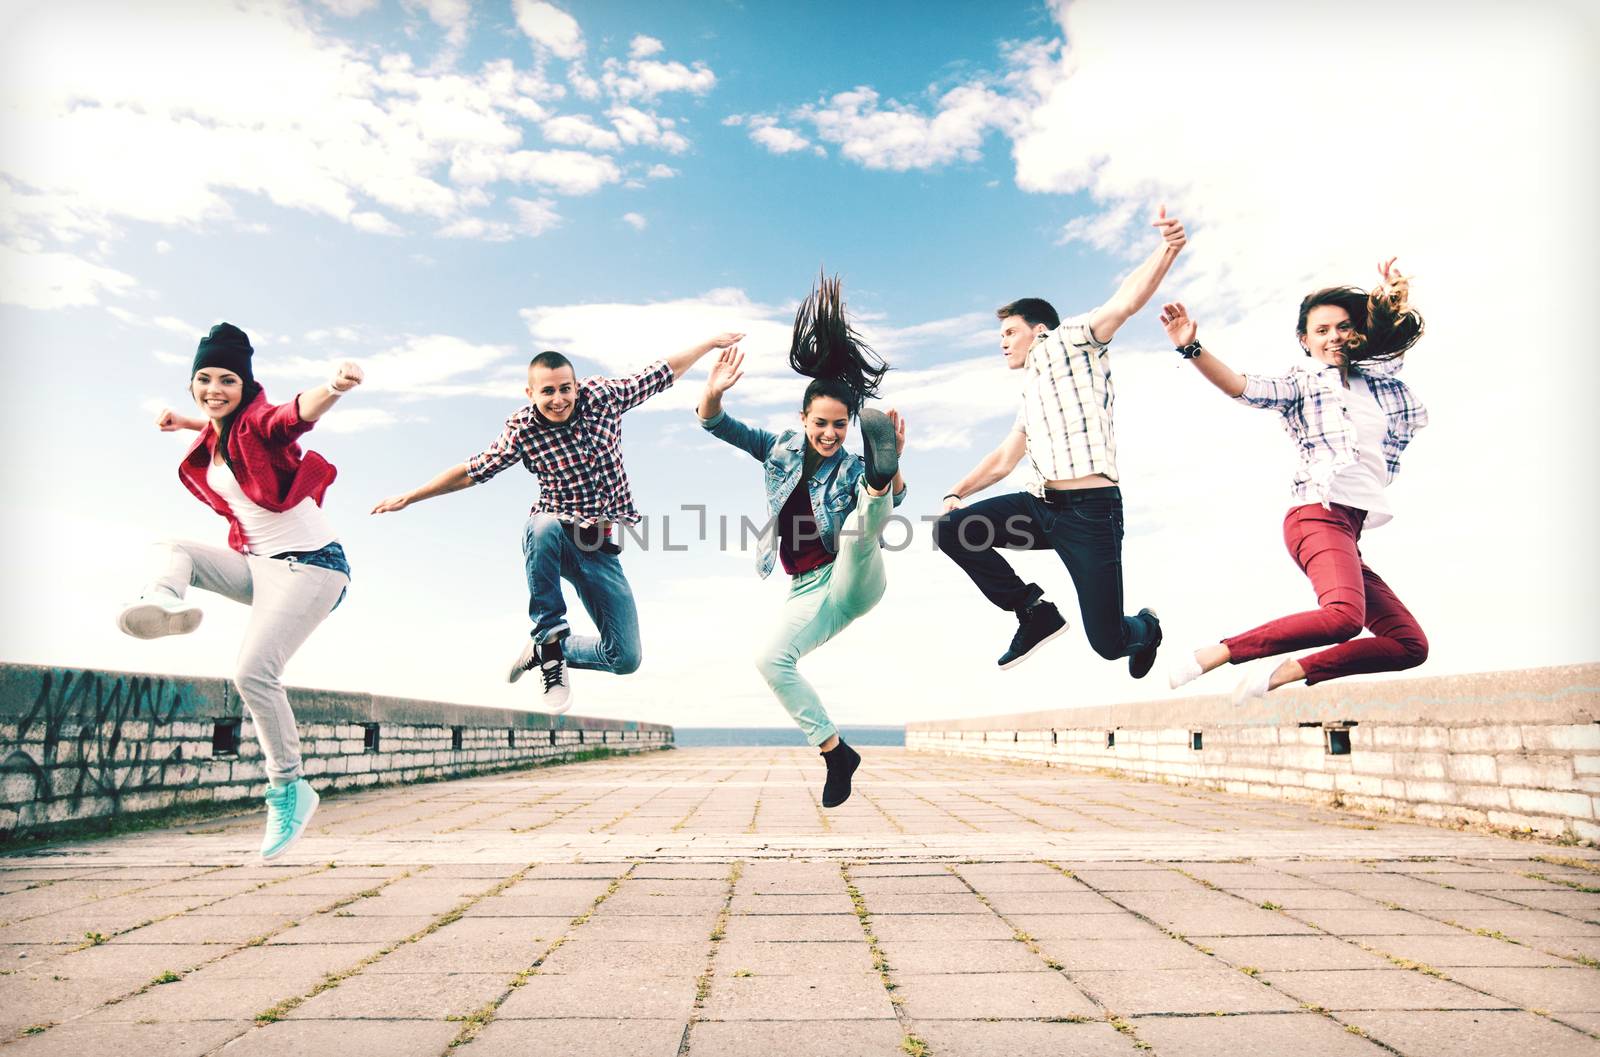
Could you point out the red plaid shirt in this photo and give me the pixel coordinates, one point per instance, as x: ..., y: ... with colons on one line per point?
x: 270, y: 467
x: 578, y: 463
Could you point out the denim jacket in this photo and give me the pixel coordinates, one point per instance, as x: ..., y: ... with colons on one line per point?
x: 833, y: 486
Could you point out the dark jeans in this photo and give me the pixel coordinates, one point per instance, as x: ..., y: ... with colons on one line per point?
x: 1083, y: 526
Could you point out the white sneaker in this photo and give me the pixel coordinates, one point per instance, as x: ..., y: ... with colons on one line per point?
x: 1184, y: 670
x: 1254, y: 685
x: 526, y: 661
x: 157, y: 615
x: 553, y: 672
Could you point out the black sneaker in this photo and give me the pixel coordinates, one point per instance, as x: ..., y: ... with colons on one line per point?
x: 1039, y: 623
x: 842, y: 762
x: 878, y: 446
x: 1139, y: 664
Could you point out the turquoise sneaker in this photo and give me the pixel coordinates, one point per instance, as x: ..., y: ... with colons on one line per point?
x: 289, y: 811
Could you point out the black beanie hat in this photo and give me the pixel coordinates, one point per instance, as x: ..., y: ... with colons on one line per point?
x: 226, y: 347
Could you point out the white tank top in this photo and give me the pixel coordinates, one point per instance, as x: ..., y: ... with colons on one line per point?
x: 304, y: 527
x: 1361, y: 485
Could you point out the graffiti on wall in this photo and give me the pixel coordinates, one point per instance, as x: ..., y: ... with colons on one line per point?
x: 94, y: 734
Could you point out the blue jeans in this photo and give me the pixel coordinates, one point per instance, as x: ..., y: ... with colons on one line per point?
x: 550, y: 555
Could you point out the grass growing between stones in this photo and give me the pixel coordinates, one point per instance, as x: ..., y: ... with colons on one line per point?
x: 480, y: 1018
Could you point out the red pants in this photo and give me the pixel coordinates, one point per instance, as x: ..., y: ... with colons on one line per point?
x: 1350, y: 596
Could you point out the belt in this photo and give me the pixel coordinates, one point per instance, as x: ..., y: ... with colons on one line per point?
x: 1070, y: 496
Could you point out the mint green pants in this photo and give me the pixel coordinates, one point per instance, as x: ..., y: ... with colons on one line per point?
x: 821, y: 604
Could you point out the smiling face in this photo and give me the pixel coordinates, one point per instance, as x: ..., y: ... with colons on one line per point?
x: 553, y: 391
x: 216, y: 391
x: 827, y: 423
x: 1016, y: 338
x: 1328, y: 331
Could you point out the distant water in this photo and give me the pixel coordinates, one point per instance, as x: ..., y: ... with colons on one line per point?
x: 698, y: 737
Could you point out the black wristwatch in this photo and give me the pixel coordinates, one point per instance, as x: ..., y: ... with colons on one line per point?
x: 1189, y: 351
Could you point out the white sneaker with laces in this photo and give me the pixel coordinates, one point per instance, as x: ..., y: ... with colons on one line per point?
x: 157, y: 615
x: 553, y: 671
x: 1254, y: 685
x: 526, y: 661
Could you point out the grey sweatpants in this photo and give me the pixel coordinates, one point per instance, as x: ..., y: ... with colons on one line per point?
x: 287, y: 601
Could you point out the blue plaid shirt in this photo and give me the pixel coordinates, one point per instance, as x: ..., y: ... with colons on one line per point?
x: 1311, y: 399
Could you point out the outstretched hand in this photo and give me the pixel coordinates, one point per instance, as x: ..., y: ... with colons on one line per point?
x: 725, y: 339
x: 725, y: 371
x: 1171, y: 229
x: 393, y: 503
x: 899, y: 431
x: 1180, y: 328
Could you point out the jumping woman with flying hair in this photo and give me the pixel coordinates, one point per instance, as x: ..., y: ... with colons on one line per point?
x: 1350, y: 417
x: 827, y: 506
x: 283, y: 558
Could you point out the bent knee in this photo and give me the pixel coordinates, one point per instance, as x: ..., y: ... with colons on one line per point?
x: 627, y: 662
x: 773, y: 667
x: 1344, y: 620
x: 1416, y: 648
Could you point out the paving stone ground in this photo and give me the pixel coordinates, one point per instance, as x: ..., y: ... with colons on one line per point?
x: 700, y: 902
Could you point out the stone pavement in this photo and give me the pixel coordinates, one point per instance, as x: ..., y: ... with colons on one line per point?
x: 699, y: 902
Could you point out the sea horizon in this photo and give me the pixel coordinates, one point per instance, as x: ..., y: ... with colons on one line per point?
x: 702, y: 737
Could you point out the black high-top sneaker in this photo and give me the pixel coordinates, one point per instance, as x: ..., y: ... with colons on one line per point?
x: 1139, y: 664
x: 842, y: 762
x: 1037, y: 625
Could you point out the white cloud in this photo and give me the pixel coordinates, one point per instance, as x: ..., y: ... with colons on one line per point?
x: 900, y: 137
x: 163, y: 246
x: 646, y: 79
x: 661, y: 172
x: 348, y: 8
x: 577, y: 131
x: 419, y: 365
x: 635, y: 221
x: 355, y: 419
x: 642, y: 47
x: 637, y: 126
x: 536, y: 217
x: 778, y: 140
x: 550, y: 28
x: 452, y: 16
x: 374, y: 224
x: 566, y: 171
x: 56, y: 280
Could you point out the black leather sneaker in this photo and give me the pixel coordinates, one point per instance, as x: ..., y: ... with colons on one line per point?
x: 1037, y: 625
x: 842, y: 762
x: 1139, y: 664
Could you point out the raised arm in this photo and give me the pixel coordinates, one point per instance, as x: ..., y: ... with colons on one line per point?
x: 714, y: 420
x: 1141, y: 285
x: 992, y: 468
x: 169, y: 421
x: 686, y: 359
x: 451, y: 480
x: 314, y: 403
x: 726, y: 371
x: 1183, y: 332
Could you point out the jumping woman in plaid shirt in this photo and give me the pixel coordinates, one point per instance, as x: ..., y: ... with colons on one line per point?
x: 283, y: 558
x: 828, y: 506
x: 1351, y: 417
x: 570, y: 437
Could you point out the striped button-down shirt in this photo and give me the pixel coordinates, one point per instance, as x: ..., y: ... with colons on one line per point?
x: 578, y: 462
x: 1312, y: 400
x: 1067, y: 402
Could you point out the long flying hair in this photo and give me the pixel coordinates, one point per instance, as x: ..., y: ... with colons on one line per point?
x: 1384, y: 323
x: 826, y: 347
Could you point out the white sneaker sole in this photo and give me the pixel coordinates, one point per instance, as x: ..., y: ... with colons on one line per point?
x: 557, y: 702
x: 299, y: 830
x: 1006, y: 667
x: 146, y: 620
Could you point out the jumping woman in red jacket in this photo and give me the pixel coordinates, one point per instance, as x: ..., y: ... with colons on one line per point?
x: 283, y: 558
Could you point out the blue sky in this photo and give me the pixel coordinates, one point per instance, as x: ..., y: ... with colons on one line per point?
x: 437, y: 189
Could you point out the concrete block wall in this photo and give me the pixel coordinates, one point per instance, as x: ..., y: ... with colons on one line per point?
x: 1515, y: 751
x: 79, y: 744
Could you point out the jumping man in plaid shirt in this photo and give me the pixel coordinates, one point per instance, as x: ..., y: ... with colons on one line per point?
x: 1072, y: 504
x: 570, y: 437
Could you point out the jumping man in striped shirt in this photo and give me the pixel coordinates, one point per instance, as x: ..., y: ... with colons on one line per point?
x: 570, y: 437
x: 1072, y: 504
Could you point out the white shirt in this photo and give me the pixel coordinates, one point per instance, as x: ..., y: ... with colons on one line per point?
x: 1067, y: 400
x: 303, y: 528
x: 1361, y: 484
